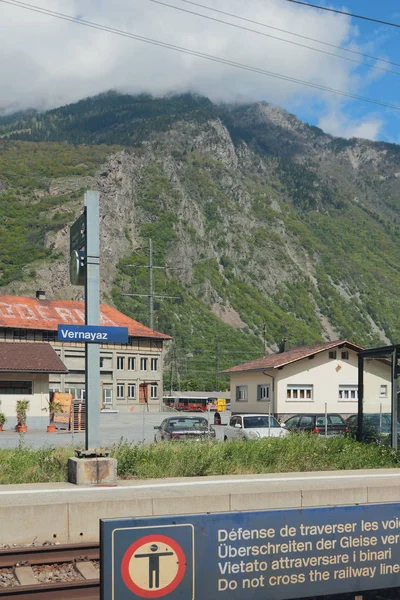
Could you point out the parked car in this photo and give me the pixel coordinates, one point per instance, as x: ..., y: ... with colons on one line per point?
x: 315, y: 423
x: 253, y: 426
x: 374, y: 421
x: 376, y: 427
x: 184, y: 429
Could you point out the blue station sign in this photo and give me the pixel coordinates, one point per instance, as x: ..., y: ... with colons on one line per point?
x: 279, y: 554
x: 92, y: 334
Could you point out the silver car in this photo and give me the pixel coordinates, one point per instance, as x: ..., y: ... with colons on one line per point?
x: 184, y: 429
x: 252, y: 427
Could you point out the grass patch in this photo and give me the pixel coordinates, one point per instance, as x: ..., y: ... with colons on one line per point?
x: 295, y: 453
x: 291, y: 454
x: 25, y: 465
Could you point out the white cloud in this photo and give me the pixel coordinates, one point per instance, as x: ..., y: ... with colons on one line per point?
x: 340, y: 125
x: 47, y: 62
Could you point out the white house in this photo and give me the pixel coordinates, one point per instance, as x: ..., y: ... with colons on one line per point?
x: 303, y: 379
x: 24, y: 375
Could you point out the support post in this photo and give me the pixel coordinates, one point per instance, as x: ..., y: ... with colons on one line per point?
x: 360, y: 421
x: 394, y: 398
x: 92, y: 317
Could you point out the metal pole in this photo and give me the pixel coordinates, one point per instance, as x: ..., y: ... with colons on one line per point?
x: 151, y: 290
x: 92, y: 317
x: 380, y: 418
x: 265, y: 337
x: 326, y: 419
x: 217, y: 364
x: 360, y: 398
x: 394, y: 399
x: 269, y: 418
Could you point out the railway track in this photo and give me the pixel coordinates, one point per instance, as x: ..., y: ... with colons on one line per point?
x: 80, y: 589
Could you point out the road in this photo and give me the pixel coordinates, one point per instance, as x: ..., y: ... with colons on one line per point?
x: 134, y: 427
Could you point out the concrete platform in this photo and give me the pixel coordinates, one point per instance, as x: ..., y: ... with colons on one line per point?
x: 64, y: 513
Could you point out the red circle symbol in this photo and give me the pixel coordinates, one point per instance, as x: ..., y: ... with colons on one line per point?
x: 149, y: 573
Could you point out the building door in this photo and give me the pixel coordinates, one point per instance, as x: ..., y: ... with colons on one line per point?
x: 143, y: 393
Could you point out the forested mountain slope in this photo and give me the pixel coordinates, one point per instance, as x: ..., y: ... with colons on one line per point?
x: 273, y: 227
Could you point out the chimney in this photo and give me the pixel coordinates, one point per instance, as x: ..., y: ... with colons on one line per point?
x: 40, y: 295
x: 282, y: 346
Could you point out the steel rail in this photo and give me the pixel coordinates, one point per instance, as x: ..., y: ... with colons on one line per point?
x: 71, y: 590
x: 43, y: 555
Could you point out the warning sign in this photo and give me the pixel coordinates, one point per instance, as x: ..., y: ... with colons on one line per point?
x: 153, y: 566
x: 149, y: 562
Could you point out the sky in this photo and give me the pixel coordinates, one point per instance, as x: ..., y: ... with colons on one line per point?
x: 47, y: 62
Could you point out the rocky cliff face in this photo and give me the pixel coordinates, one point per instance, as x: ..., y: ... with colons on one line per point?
x: 268, y: 223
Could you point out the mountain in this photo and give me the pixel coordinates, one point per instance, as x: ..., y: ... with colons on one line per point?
x: 270, y: 228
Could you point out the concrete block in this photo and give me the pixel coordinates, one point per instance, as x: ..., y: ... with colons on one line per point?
x: 25, y: 576
x: 87, y: 570
x: 92, y: 471
x: 23, y: 524
x: 383, y: 494
x: 84, y: 517
x: 266, y: 500
x: 188, y: 504
x: 334, y: 497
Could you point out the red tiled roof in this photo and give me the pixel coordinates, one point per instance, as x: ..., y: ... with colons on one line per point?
x: 31, y: 358
x: 274, y: 361
x: 30, y: 313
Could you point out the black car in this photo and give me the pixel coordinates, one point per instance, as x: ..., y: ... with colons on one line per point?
x: 315, y: 423
x: 184, y: 429
x: 376, y: 427
x: 374, y: 421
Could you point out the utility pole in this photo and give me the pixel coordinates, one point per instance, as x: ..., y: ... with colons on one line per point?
x: 265, y: 337
x: 217, y: 363
x: 151, y: 290
x: 151, y: 295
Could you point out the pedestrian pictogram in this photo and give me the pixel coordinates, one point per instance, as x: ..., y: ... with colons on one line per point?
x: 153, y: 566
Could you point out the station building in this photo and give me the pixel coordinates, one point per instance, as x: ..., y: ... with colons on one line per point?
x: 131, y: 374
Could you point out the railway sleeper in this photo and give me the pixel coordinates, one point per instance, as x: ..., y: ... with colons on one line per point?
x: 26, y: 576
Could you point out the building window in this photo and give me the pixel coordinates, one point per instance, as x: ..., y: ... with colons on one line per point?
x: 154, y: 391
x: 154, y: 364
x: 263, y: 393
x: 49, y: 336
x: 143, y: 364
x: 20, y: 334
x: 241, y: 393
x: 332, y: 354
x: 348, y: 392
x: 131, y: 363
x: 101, y: 362
x: 16, y: 387
x: 345, y: 355
x: 120, y: 391
x: 299, y: 392
x: 120, y: 363
x: 383, y: 391
x: 107, y: 396
x: 131, y: 390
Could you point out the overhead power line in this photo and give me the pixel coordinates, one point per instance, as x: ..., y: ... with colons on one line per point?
x: 209, y: 57
x: 274, y: 37
x: 304, y: 37
x: 342, y: 12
